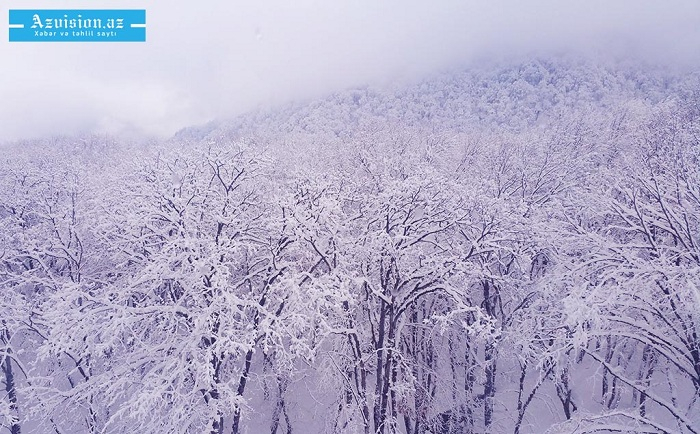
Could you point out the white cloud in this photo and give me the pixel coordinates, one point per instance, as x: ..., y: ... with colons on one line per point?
x: 218, y: 58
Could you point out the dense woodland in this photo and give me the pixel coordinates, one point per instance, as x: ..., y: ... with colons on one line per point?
x: 504, y: 250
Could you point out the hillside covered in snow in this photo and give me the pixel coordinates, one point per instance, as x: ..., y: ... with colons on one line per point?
x: 504, y: 249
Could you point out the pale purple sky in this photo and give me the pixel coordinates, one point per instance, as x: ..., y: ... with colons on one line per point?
x: 217, y: 58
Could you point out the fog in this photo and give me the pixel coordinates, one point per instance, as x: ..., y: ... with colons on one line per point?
x: 216, y: 59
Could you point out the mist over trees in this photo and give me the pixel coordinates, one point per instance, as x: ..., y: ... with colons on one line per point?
x: 500, y: 250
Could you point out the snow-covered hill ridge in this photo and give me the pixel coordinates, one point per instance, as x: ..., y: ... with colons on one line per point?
x: 495, y: 97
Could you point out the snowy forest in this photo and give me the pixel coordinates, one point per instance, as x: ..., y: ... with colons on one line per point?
x: 504, y: 249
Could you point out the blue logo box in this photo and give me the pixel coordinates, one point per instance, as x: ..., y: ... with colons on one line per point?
x: 73, y: 25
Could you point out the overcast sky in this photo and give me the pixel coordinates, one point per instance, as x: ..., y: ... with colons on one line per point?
x: 216, y: 58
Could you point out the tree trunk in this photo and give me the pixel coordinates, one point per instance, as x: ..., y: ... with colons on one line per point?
x: 489, y: 384
x: 235, y: 429
x: 11, y: 392
x: 490, y: 300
